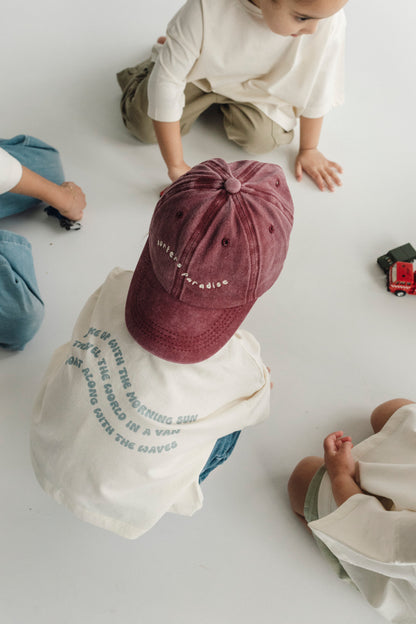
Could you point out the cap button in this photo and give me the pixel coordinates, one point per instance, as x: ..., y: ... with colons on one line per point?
x: 232, y: 185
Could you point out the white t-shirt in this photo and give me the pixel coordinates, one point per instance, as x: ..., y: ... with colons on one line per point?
x: 10, y: 171
x: 225, y: 46
x: 120, y: 436
x: 376, y: 546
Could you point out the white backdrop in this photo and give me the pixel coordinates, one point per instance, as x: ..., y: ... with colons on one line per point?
x: 337, y: 343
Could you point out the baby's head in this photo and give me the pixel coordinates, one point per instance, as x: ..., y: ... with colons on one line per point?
x: 297, y: 17
x: 217, y: 241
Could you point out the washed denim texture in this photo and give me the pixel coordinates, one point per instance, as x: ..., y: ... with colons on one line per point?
x: 21, y: 307
x: 220, y: 453
x: 36, y: 155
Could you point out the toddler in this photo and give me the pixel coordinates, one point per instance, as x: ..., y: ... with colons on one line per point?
x: 157, y: 381
x: 360, y: 505
x: 266, y: 63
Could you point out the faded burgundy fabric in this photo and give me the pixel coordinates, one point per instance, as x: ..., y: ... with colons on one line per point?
x: 217, y: 241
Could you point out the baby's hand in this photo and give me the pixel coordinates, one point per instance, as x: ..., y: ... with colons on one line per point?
x: 71, y: 202
x: 322, y: 171
x: 338, y: 457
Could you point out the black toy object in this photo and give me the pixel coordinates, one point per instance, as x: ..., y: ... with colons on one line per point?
x: 404, y: 253
x: 64, y: 222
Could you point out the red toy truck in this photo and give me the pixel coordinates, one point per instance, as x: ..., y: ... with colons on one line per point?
x: 398, y: 266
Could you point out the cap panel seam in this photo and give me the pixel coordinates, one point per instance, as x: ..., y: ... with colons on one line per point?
x: 253, y: 248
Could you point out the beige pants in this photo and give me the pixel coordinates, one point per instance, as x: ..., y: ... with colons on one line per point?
x: 244, y: 124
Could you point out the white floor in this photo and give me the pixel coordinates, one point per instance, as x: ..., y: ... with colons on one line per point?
x: 337, y: 342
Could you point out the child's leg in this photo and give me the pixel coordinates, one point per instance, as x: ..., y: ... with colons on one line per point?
x: 21, y: 308
x: 303, y: 487
x: 382, y: 412
x: 134, y: 102
x: 250, y: 128
x: 299, y: 482
x: 196, y: 102
x: 36, y: 156
x: 220, y: 453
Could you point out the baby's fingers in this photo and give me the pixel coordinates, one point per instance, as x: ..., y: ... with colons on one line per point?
x: 298, y: 171
x: 329, y: 179
x: 336, y: 166
x: 335, y: 178
x: 318, y: 179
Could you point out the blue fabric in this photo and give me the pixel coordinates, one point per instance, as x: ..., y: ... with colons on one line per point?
x: 21, y: 308
x: 37, y: 156
x: 220, y: 453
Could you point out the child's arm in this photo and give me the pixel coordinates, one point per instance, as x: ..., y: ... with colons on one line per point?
x: 166, y: 100
x: 170, y: 143
x: 68, y: 198
x: 178, y: 53
x: 310, y: 160
x: 168, y: 135
x: 340, y: 466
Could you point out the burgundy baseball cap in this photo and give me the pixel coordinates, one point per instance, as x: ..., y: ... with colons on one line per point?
x: 217, y: 241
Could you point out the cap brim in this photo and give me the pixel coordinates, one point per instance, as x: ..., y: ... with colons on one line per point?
x: 173, y: 330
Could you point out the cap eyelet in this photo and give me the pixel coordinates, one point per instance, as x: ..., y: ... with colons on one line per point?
x: 225, y: 242
x: 179, y: 214
x: 271, y: 229
x: 277, y: 182
x: 232, y: 185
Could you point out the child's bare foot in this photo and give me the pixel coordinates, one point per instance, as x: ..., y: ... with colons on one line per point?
x: 161, y: 39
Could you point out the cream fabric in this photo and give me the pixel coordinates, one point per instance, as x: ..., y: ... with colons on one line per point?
x: 224, y: 46
x: 10, y: 171
x: 377, y: 547
x: 120, y: 436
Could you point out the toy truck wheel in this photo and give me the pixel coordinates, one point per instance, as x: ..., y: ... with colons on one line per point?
x: 400, y: 293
